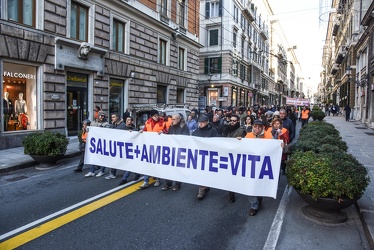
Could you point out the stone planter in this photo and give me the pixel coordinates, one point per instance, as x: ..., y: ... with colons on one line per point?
x: 46, y: 161
x: 326, y: 210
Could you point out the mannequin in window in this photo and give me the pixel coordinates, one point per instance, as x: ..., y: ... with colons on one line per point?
x: 21, y: 111
x: 20, y: 105
x: 7, y: 110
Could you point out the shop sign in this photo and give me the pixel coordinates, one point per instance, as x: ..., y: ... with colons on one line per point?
x: 222, y: 99
x: 18, y: 75
x: 116, y: 84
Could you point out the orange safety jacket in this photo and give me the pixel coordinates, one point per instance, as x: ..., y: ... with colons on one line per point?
x: 266, y: 135
x: 84, y: 136
x: 152, y: 126
x: 305, y: 114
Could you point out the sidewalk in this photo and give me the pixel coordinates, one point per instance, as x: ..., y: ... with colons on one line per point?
x: 360, y: 141
x: 14, y: 158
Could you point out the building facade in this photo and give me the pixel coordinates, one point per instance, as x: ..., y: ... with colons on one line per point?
x: 60, y: 59
x: 347, y: 78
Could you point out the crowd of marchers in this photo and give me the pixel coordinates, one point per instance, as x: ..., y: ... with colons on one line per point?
x: 234, y: 122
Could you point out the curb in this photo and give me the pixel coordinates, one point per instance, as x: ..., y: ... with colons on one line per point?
x: 33, y: 163
x: 368, y: 230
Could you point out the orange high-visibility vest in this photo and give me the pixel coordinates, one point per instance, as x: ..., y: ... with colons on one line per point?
x: 305, y: 114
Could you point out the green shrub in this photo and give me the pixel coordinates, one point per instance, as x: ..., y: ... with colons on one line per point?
x: 335, y: 175
x: 46, y: 143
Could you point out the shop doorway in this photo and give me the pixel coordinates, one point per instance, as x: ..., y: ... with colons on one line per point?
x: 76, y: 102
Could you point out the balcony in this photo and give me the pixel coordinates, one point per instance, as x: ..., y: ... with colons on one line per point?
x: 334, y: 69
x: 264, y: 34
x: 249, y: 12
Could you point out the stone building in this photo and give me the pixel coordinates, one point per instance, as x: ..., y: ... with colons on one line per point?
x: 61, y: 58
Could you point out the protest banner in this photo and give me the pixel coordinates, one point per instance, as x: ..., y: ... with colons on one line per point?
x: 246, y: 166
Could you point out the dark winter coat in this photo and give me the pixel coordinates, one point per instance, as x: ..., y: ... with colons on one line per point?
x: 179, y: 129
x: 288, y: 124
x: 207, y: 131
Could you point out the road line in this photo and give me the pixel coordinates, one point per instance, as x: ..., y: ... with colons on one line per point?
x: 276, y: 227
x: 42, y: 229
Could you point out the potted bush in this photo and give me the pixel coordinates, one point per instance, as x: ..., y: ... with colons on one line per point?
x: 324, y: 174
x: 45, y: 147
x: 317, y: 114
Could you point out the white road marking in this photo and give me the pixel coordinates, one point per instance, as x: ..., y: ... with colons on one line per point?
x: 276, y: 227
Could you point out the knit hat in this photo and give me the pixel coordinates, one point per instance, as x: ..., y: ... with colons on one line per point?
x: 153, y: 112
x: 101, y: 113
x: 276, y: 113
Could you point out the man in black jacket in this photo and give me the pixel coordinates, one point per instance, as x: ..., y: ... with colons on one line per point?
x: 287, y: 123
x: 205, y: 129
x: 177, y: 127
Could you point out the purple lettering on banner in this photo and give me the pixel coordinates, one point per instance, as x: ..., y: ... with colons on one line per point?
x: 165, y: 156
x: 180, y: 157
x: 93, y: 145
x: 192, y: 158
x: 172, y: 156
x: 252, y: 159
x: 144, y: 154
x: 105, y: 148
x: 128, y: 150
x: 234, y: 163
x: 113, y: 148
x: 154, y: 155
x: 120, y: 145
x: 203, y: 153
x: 266, y: 168
x: 99, y: 148
x: 213, y: 160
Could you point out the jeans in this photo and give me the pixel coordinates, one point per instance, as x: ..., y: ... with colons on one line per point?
x: 254, y: 202
x: 93, y: 168
x: 146, y: 179
x: 126, y: 175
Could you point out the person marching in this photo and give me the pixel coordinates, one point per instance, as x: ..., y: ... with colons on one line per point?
x: 176, y: 128
x: 205, y: 129
x: 154, y: 124
x: 305, y: 115
x: 234, y: 130
x: 258, y: 132
x: 280, y: 133
x: 82, y: 144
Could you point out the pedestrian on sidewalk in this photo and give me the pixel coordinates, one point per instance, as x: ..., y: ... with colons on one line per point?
x: 305, y: 115
x: 82, y: 143
x: 347, y: 110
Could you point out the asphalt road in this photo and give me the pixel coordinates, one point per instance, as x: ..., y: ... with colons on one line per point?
x: 124, y: 218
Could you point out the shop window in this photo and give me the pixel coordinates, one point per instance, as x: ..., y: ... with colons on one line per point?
x: 161, y: 94
x: 19, y: 97
x: 119, y: 36
x: 22, y: 11
x: 79, y: 22
x: 212, y: 97
x: 116, y: 96
x: 180, y: 95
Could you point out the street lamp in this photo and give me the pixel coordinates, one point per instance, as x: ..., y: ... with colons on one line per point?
x: 364, y: 82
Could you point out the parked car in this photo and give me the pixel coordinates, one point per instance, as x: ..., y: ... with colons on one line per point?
x: 141, y: 113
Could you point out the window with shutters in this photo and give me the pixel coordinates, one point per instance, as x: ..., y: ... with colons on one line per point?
x: 213, y: 65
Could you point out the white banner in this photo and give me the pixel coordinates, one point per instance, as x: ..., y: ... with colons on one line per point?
x: 246, y: 166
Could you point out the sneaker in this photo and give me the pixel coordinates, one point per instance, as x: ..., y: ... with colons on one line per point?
x: 89, y: 174
x: 122, y: 182
x: 100, y: 174
x: 110, y: 176
x: 144, y: 185
x: 157, y: 183
x: 176, y: 187
x: 252, y: 212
